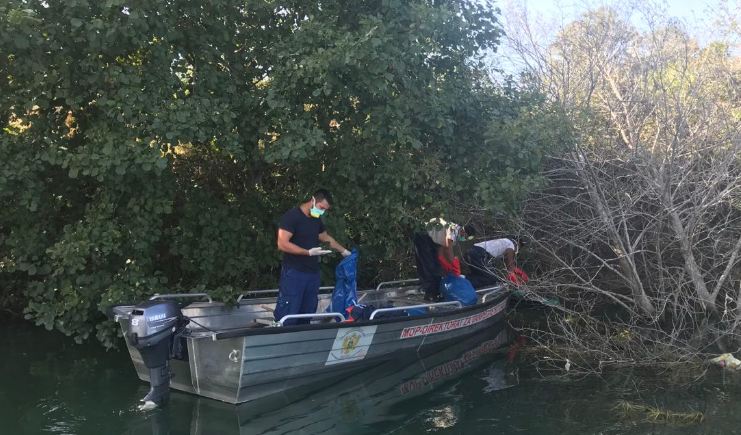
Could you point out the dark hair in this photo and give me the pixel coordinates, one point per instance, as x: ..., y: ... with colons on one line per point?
x: 520, y: 241
x: 321, y: 194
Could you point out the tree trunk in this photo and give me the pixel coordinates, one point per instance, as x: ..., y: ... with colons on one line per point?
x: 690, y: 265
x: 627, y: 265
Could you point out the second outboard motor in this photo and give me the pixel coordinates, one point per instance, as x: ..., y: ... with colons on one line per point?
x: 153, y: 329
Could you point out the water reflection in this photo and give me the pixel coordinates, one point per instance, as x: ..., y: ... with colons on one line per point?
x: 381, y: 398
x: 52, y: 385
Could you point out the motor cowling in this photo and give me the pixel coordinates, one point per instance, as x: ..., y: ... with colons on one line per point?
x: 153, y: 329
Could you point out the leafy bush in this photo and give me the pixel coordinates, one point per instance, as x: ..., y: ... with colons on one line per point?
x: 152, y: 146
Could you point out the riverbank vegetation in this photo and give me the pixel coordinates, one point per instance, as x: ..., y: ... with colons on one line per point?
x: 639, y: 227
x: 152, y: 146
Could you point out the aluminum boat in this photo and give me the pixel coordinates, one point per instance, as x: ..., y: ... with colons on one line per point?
x: 381, y: 399
x: 240, y: 353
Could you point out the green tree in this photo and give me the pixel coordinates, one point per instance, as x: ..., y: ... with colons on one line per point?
x: 152, y: 146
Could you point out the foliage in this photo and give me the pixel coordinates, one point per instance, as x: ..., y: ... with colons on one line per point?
x: 640, y: 215
x: 153, y: 146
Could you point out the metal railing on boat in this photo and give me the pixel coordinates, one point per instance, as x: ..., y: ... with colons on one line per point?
x: 387, y: 283
x: 323, y: 289
x: 401, y: 281
x: 412, y: 307
x: 181, y: 295
x: 311, y: 316
x: 490, y: 291
x: 273, y: 291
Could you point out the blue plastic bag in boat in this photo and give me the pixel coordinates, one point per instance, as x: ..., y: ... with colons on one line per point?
x: 345, y: 292
x: 458, y: 288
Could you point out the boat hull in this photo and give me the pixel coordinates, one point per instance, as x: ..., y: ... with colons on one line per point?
x: 247, y: 364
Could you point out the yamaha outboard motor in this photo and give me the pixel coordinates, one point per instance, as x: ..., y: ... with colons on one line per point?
x: 153, y: 329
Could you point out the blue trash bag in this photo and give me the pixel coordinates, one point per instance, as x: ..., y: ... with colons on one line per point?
x: 345, y: 292
x: 458, y: 288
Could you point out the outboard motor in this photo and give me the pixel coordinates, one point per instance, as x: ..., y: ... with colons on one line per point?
x: 153, y: 329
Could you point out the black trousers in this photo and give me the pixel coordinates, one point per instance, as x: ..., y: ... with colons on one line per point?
x: 428, y: 268
x: 481, y: 265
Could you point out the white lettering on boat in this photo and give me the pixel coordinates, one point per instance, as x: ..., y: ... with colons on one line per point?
x: 435, y: 328
x: 351, y: 344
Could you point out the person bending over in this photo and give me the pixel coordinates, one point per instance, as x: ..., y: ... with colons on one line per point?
x: 482, y: 254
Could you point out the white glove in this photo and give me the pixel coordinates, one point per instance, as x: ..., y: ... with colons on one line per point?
x: 318, y: 251
x: 346, y: 253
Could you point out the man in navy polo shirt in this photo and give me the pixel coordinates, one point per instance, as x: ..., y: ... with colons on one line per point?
x: 301, y: 229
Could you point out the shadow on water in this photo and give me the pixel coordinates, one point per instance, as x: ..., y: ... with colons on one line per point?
x: 50, y: 385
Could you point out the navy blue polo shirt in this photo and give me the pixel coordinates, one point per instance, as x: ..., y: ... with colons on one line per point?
x: 305, y: 230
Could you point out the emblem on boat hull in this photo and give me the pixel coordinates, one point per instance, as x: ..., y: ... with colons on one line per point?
x: 351, y: 344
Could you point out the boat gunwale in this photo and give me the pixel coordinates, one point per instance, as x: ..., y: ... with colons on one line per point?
x: 251, y: 331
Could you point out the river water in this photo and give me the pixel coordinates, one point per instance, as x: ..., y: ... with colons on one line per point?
x: 50, y: 385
